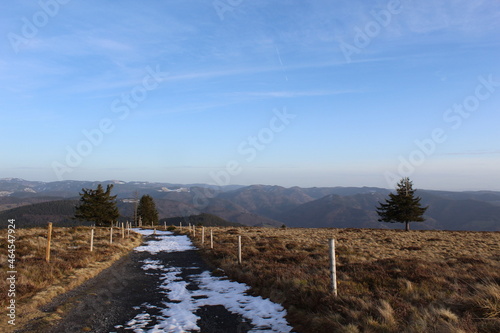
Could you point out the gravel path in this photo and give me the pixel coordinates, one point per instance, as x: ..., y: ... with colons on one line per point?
x: 162, y: 286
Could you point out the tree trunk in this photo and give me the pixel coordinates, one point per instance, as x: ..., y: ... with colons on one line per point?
x: 407, y: 228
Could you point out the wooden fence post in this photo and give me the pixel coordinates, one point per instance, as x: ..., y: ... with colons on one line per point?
x: 123, y: 230
x: 92, y: 240
x: 211, y: 239
x: 202, y: 235
x: 49, y: 238
x: 239, y: 250
x: 111, y: 234
x: 333, y: 269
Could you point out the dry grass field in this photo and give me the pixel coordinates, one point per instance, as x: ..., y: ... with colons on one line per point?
x: 388, y: 280
x: 71, y: 264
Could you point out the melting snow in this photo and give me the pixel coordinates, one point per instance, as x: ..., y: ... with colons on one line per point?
x: 166, y: 243
x: 152, y: 264
x: 178, y: 313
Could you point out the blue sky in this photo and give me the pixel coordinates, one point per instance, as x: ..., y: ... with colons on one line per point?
x: 307, y: 93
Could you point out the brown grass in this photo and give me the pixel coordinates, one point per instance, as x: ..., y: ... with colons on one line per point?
x: 388, y: 280
x: 71, y: 264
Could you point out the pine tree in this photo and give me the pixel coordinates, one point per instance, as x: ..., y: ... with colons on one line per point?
x: 402, y: 207
x: 147, y: 210
x: 98, y: 206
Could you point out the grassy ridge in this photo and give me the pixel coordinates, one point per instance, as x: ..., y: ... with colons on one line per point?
x: 388, y: 280
x: 71, y: 264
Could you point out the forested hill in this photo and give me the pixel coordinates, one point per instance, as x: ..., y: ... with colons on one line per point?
x: 59, y: 212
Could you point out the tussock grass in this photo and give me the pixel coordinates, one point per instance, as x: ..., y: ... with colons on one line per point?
x: 71, y: 264
x: 388, y: 280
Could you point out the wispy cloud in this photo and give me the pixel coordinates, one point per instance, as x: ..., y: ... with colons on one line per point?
x: 474, y: 152
x: 292, y: 94
x: 109, y: 44
x: 459, y: 15
x: 256, y: 70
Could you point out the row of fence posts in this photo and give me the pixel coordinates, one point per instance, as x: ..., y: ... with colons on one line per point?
x: 192, y: 228
x: 331, y: 248
x: 125, y: 227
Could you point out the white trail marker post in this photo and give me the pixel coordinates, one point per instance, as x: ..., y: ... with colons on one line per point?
x: 333, y: 269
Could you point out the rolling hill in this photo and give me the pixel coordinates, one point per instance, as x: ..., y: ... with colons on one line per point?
x: 335, y: 211
x: 256, y: 205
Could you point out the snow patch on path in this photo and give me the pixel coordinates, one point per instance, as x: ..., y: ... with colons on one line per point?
x: 167, y: 242
x: 152, y: 264
x: 262, y: 313
x: 178, y: 313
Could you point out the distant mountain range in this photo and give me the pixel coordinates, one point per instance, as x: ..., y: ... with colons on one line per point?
x: 256, y: 205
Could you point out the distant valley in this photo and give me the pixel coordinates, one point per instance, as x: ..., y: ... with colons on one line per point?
x: 33, y: 203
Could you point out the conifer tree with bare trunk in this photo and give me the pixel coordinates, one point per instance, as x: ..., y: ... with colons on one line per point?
x: 403, y: 206
x: 98, y: 206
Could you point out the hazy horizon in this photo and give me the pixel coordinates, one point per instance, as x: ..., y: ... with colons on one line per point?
x: 242, y: 185
x: 346, y: 93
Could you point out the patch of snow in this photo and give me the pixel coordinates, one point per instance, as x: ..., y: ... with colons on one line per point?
x: 140, y: 321
x: 261, y: 312
x: 166, y: 242
x: 179, y: 190
x: 148, y: 232
x: 178, y: 313
x: 151, y: 261
x: 152, y: 264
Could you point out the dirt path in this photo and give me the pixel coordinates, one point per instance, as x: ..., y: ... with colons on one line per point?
x: 165, y: 291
